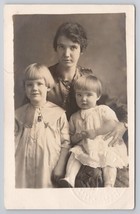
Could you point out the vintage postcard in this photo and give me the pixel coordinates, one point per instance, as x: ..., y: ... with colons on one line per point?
x: 69, y: 89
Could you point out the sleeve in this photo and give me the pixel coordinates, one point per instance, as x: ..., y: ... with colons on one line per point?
x: 108, y: 114
x: 119, y: 108
x: 64, y: 131
x: 71, y: 126
x: 18, y: 133
x: 16, y: 130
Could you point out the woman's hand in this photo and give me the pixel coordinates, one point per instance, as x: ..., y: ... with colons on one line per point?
x: 117, y: 134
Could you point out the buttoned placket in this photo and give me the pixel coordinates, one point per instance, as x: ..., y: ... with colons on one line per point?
x: 66, y: 88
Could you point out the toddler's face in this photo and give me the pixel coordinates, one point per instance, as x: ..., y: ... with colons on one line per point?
x: 86, y: 99
x: 36, y: 91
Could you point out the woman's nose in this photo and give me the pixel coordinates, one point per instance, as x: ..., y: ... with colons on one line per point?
x: 67, y: 52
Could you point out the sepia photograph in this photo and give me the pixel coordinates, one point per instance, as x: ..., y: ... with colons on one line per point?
x: 69, y: 97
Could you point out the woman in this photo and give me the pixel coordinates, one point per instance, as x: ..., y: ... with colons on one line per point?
x: 69, y: 43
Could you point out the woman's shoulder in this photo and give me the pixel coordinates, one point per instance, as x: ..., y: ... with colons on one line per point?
x: 53, y: 70
x: 85, y: 71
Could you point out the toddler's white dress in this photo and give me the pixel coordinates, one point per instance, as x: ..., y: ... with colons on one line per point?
x: 40, y: 133
x: 96, y: 153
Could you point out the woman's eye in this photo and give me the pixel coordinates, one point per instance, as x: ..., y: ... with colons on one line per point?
x: 73, y: 48
x: 60, y: 46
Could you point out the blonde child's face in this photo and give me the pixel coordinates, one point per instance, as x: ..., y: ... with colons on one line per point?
x: 86, y: 99
x: 36, y: 91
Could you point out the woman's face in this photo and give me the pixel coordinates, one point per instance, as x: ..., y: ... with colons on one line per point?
x: 68, y: 52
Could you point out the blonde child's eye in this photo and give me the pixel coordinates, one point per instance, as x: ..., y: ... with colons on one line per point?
x: 40, y: 83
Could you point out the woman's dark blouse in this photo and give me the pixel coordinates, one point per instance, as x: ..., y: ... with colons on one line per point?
x: 63, y: 94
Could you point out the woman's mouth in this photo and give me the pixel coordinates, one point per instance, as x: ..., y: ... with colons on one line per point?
x: 35, y: 94
x: 67, y: 60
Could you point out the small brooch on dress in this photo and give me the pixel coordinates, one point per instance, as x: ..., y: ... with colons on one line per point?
x: 39, y: 118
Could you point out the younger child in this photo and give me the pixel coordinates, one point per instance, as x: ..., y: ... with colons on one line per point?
x: 88, y: 128
x: 41, y: 135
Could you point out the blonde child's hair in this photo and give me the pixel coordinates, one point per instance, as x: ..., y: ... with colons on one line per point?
x: 39, y: 71
x: 89, y: 83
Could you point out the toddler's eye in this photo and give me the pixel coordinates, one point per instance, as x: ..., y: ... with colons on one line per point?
x: 29, y: 84
x: 89, y: 94
x: 79, y: 95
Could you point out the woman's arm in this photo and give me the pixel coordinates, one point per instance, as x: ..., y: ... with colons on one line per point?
x: 121, y: 112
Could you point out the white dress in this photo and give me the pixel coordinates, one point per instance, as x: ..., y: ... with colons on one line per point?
x: 96, y: 153
x: 40, y: 134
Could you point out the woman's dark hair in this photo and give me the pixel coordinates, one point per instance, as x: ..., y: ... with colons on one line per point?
x: 73, y: 31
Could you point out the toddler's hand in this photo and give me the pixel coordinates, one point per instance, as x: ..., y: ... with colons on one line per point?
x: 82, y: 135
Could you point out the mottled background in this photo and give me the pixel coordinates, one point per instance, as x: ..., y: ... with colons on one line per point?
x: 105, y: 54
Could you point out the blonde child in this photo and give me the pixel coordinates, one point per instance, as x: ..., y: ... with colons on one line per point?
x: 88, y: 128
x: 41, y: 134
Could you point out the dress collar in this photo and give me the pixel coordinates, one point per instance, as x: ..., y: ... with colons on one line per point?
x: 58, y: 74
x: 85, y: 113
x: 50, y: 113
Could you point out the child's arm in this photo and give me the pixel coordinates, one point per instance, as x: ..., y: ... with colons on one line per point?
x: 77, y: 137
x: 59, y: 170
x: 107, y: 127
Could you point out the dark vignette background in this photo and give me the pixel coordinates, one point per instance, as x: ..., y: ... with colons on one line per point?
x: 105, y: 54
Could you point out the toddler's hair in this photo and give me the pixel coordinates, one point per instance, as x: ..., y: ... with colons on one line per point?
x: 73, y: 31
x: 89, y: 83
x: 39, y: 71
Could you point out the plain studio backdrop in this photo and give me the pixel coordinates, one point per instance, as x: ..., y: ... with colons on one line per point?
x: 105, y: 54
